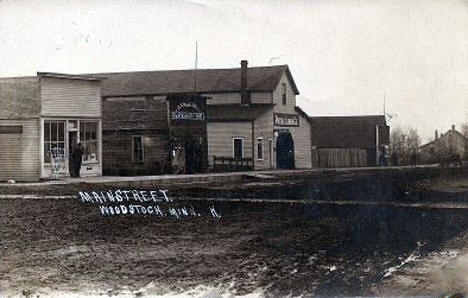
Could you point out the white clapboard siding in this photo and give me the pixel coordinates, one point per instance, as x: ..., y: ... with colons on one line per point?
x: 220, y: 135
x: 235, y: 98
x: 19, y: 153
x: 223, y: 98
x: 264, y: 130
x: 288, y: 108
x: 302, y: 144
x: 70, y: 98
x: 261, y: 97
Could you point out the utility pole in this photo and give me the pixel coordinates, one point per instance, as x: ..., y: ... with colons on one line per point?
x: 195, y: 70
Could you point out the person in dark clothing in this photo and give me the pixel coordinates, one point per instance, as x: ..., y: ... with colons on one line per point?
x: 77, y: 156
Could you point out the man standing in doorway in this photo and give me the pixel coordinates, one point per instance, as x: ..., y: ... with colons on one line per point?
x: 77, y: 156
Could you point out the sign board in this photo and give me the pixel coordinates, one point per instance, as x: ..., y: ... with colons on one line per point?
x: 187, y: 110
x: 286, y: 119
x: 11, y: 129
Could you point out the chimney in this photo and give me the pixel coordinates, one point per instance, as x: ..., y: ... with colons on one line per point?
x: 436, y: 134
x: 245, y: 99
x: 453, y: 127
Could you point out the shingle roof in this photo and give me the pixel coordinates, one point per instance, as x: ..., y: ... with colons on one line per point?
x: 182, y: 81
x: 345, y: 131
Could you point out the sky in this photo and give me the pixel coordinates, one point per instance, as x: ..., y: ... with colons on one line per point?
x: 345, y: 56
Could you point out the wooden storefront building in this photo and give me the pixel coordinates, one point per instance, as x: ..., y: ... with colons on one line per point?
x: 239, y: 118
x: 42, y: 118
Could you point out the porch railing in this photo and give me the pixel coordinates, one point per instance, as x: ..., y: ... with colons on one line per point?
x: 231, y: 164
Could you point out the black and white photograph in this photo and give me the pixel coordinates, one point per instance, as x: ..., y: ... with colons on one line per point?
x: 233, y: 148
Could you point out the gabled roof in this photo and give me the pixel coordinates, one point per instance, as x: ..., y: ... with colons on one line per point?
x: 68, y: 76
x: 182, y: 81
x: 345, y: 131
x: 444, y: 136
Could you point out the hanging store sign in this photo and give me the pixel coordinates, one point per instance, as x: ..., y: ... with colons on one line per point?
x: 187, y: 110
x: 286, y: 119
x: 11, y: 129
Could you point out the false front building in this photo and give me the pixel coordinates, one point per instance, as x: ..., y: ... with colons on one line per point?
x: 42, y: 118
x: 239, y: 118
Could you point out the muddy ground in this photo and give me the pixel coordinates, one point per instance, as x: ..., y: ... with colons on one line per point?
x: 58, y: 246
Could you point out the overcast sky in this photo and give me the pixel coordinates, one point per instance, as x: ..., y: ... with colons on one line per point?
x: 344, y: 55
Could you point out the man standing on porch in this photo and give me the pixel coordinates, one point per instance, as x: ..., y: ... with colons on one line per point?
x: 77, y: 157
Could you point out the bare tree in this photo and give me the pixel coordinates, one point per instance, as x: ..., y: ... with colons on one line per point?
x: 404, y: 145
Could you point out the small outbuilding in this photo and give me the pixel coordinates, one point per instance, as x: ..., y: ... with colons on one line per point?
x: 349, y: 141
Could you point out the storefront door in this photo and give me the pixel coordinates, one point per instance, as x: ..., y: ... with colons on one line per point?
x: 72, y: 143
x: 285, y: 151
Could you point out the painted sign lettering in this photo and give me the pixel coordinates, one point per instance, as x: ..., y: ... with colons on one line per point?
x: 286, y: 119
x: 187, y: 111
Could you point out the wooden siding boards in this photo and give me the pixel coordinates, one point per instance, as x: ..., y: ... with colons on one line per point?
x: 117, y: 152
x: 129, y: 113
x: 301, y: 134
x: 20, y: 106
x: 19, y: 153
x: 290, y: 105
x: 19, y: 98
x: 261, y: 97
x: 263, y: 129
x: 302, y: 143
x: 70, y: 98
x: 234, y: 98
x: 223, y: 98
x: 221, y: 134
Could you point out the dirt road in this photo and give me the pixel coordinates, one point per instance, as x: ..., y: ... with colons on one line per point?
x: 56, y: 246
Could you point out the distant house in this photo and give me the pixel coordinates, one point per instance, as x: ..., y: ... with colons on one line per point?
x: 239, y: 118
x: 345, y: 141
x: 449, y: 143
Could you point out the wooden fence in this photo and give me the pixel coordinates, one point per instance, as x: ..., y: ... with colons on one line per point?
x: 339, y: 157
x: 231, y: 164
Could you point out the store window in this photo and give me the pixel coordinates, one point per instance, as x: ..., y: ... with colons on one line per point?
x: 138, y: 152
x: 238, y: 147
x: 259, y: 148
x: 54, y: 140
x: 88, y: 139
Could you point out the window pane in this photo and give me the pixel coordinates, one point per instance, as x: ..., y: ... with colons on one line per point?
x: 47, y: 152
x: 61, y: 149
x: 46, y: 131
x: 82, y: 130
x: 61, y: 131
x: 92, y: 126
x: 90, y: 151
x: 259, y: 149
x: 53, y: 128
x: 88, y: 131
x: 53, y: 150
x: 238, y: 148
x: 137, y: 149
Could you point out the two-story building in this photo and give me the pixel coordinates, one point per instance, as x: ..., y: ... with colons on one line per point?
x: 451, y: 142
x: 42, y: 118
x: 246, y: 118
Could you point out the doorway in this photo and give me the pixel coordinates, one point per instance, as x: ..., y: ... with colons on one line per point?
x: 285, y: 151
x: 72, y: 143
x: 194, y: 160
